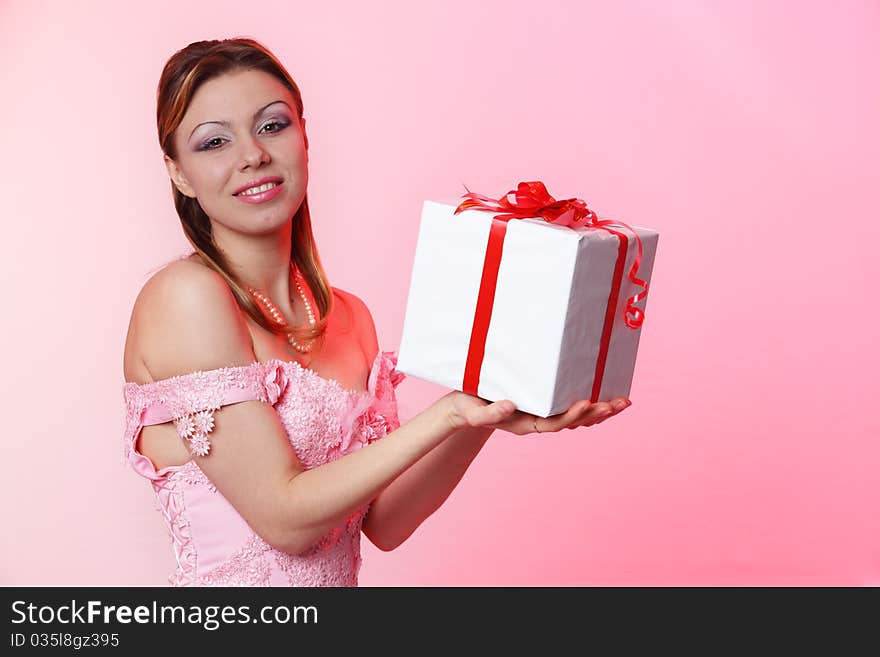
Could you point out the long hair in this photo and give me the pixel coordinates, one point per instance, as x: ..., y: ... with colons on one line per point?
x: 183, y: 74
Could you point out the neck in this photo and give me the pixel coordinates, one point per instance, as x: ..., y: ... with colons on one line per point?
x: 261, y: 262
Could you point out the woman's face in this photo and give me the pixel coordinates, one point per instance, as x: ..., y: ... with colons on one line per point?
x: 241, y: 127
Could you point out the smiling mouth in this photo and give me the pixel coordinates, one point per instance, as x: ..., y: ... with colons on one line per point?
x: 260, y: 189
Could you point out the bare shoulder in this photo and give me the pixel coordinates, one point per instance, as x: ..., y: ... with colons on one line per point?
x: 186, y: 319
x: 183, y: 285
x: 362, y: 321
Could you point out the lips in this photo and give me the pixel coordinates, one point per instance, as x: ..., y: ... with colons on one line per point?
x: 256, y: 183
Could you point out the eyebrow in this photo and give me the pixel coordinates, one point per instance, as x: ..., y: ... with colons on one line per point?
x: 226, y: 123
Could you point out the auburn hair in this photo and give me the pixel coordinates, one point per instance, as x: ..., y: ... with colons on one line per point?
x: 182, y: 76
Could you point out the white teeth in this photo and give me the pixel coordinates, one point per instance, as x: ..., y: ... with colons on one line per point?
x: 257, y: 190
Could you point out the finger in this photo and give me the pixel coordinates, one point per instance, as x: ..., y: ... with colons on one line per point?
x: 565, y: 420
x: 584, y: 408
x: 598, y: 411
x: 618, y: 405
x: 495, y: 412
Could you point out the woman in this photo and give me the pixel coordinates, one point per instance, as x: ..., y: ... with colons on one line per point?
x: 255, y: 392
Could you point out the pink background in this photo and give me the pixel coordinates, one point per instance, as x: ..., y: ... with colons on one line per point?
x: 746, y: 133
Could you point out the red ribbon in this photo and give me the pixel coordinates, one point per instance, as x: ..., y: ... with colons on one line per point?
x: 531, y: 200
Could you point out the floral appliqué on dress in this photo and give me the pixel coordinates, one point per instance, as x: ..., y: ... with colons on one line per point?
x: 195, y: 427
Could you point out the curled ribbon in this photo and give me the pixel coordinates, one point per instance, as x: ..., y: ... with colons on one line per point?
x: 532, y: 200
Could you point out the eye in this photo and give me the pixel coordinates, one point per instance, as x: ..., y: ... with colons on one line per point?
x: 207, y: 145
x: 280, y: 125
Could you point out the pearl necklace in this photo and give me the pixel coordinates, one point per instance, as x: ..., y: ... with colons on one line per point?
x: 278, y: 318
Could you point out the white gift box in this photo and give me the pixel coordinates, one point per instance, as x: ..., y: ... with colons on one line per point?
x: 548, y: 342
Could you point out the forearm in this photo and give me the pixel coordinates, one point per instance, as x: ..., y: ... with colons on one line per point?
x: 405, y: 504
x: 325, y: 496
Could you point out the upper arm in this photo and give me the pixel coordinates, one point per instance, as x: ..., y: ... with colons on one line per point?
x: 190, y: 321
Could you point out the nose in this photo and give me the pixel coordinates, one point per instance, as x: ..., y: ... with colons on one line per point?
x: 253, y: 153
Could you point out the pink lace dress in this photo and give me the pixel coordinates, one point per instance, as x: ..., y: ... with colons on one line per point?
x: 213, y: 544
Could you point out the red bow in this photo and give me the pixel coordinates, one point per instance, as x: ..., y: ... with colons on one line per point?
x: 531, y: 199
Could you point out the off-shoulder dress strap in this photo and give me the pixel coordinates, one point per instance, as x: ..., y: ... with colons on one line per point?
x: 189, y: 400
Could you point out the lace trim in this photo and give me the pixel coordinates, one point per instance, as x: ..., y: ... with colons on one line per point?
x: 192, y: 474
x: 334, y: 560
x: 170, y: 502
x: 249, y: 566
